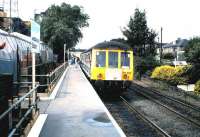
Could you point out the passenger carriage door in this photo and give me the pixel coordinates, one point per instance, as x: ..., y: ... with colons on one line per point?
x: 113, y: 72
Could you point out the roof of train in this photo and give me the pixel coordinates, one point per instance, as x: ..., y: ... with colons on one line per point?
x: 3, y: 32
x: 111, y: 45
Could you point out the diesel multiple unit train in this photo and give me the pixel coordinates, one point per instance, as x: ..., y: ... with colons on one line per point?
x: 109, y: 63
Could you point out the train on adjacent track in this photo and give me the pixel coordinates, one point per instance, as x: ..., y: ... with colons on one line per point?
x: 15, y: 53
x: 109, y: 64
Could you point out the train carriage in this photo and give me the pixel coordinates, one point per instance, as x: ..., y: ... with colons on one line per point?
x: 110, y: 63
x: 16, y: 53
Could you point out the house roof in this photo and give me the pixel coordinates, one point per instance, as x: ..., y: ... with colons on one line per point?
x: 179, y: 43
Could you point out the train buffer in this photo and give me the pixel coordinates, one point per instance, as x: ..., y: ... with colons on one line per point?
x: 76, y: 111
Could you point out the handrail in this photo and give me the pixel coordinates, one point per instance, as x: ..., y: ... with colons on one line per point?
x: 57, y: 69
x: 51, y: 78
x: 35, y: 75
x: 47, y: 75
x: 18, y: 102
x: 20, y: 122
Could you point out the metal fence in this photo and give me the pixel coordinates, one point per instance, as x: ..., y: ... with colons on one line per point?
x: 16, y: 116
x: 52, y: 77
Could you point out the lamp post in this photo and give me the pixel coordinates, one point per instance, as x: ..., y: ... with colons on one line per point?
x: 64, y: 54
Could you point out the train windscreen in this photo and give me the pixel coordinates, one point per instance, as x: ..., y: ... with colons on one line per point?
x: 100, y: 59
x: 125, y: 59
x: 113, y: 59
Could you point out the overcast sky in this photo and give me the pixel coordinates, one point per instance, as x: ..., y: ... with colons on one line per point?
x: 179, y: 18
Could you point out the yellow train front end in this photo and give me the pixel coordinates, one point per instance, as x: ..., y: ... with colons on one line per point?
x: 112, y: 66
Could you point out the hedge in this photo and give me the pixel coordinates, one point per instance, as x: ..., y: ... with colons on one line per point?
x: 197, y: 87
x: 170, y: 74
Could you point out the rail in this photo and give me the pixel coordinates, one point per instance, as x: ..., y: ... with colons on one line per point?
x: 142, y: 116
x: 15, y: 121
x: 182, y: 116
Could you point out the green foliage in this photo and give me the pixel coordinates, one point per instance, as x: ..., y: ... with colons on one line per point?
x: 139, y: 36
x: 192, y: 72
x: 20, y: 27
x: 170, y: 74
x: 143, y: 64
x: 192, y: 54
x: 168, y: 56
x: 192, y: 51
x: 122, y: 40
x: 197, y: 87
x: 62, y: 24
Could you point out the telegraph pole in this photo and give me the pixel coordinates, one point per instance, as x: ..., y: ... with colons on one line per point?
x: 161, y: 45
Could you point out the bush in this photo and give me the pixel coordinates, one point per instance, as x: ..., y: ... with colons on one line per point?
x: 197, y: 87
x: 143, y: 64
x: 192, y: 72
x: 168, y: 56
x: 163, y: 72
x: 170, y: 74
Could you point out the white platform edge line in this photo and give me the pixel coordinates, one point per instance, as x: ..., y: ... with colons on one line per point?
x: 120, y: 131
x: 37, y: 127
x: 54, y: 93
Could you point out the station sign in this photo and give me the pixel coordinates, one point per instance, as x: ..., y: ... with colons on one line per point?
x: 35, y: 34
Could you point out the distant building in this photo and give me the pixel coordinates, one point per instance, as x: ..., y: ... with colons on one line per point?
x: 76, y: 52
x: 4, y: 21
x: 175, y: 47
x: 16, y: 24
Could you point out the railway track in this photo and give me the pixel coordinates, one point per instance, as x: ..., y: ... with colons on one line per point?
x: 176, y: 96
x: 173, y: 122
x: 132, y: 122
x: 145, y: 112
x: 186, y: 104
x: 144, y: 118
x: 186, y: 111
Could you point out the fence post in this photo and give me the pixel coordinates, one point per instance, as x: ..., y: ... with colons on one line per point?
x: 48, y: 83
x: 33, y: 103
x: 10, y: 114
x: 29, y: 97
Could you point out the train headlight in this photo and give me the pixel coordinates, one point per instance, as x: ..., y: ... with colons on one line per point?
x: 99, y: 76
x: 125, y: 76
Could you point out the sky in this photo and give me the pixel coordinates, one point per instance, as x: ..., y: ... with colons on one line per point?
x: 178, y: 18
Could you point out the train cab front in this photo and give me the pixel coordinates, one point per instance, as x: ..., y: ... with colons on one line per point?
x: 112, y: 68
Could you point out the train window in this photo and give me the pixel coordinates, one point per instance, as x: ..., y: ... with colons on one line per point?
x: 113, y: 59
x: 100, y: 59
x: 125, y: 59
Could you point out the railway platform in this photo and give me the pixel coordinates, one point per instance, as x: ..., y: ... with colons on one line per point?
x: 76, y: 111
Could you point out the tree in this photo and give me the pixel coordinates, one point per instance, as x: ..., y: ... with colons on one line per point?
x: 119, y: 40
x: 192, y: 51
x: 139, y: 36
x: 62, y: 24
x: 192, y: 54
x: 19, y: 26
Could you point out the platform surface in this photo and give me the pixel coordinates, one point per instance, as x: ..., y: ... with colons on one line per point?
x: 77, y: 110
